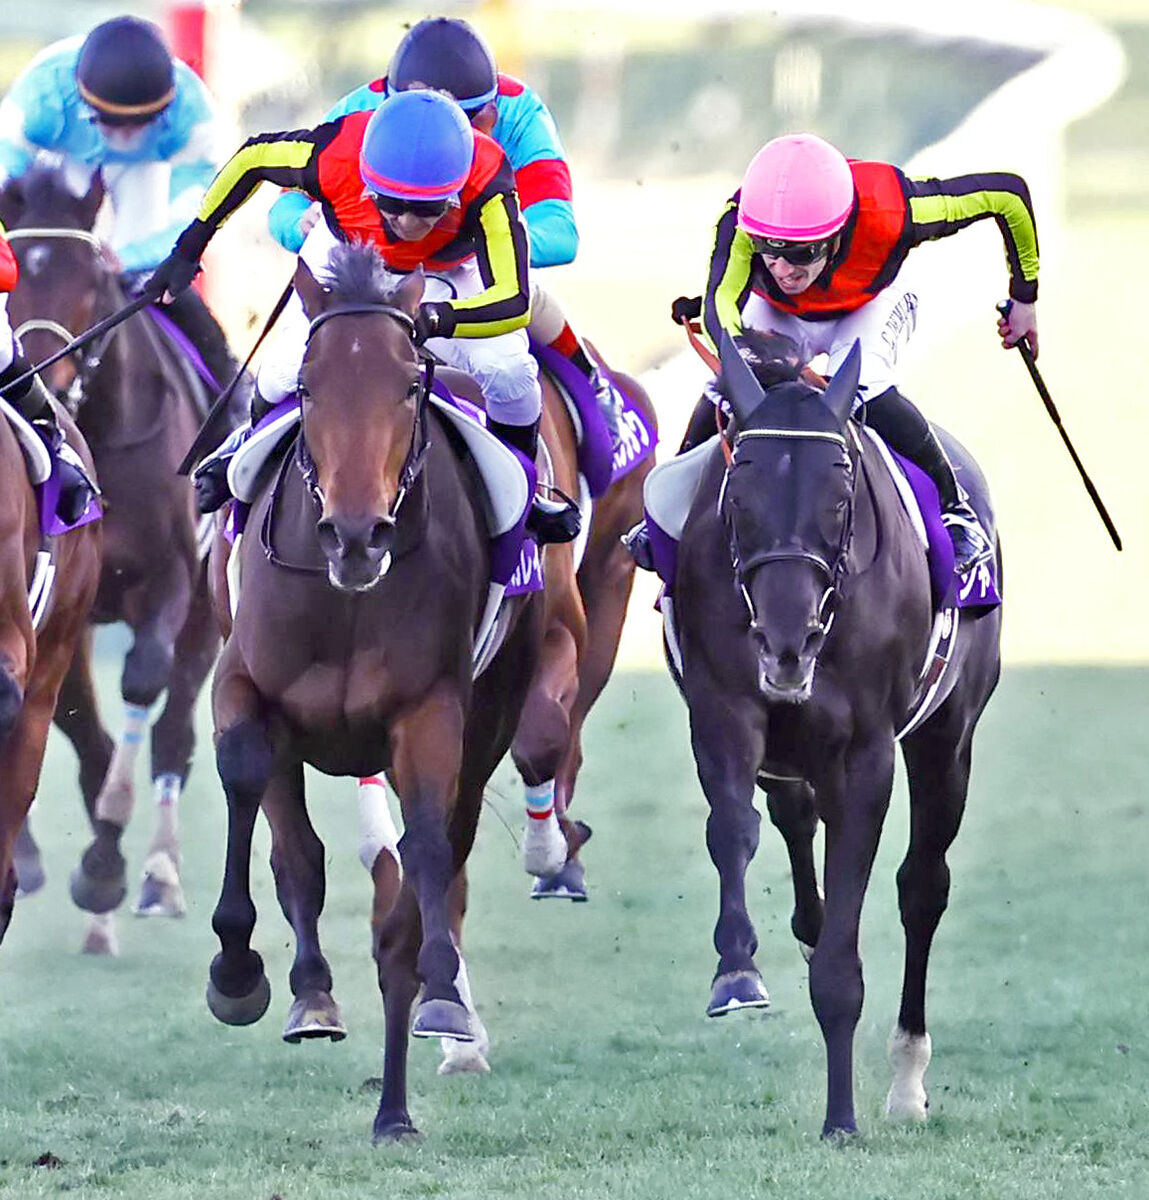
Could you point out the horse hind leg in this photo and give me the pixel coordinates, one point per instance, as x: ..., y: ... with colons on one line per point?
x: 790, y: 803
x: 938, y: 778
x: 173, y: 743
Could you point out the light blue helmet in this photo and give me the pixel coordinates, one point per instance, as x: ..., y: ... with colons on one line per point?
x: 418, y: 146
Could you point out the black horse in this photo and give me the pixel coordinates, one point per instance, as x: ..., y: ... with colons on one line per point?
x: 804, y: 616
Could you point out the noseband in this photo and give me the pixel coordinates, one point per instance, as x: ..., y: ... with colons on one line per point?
x: 420, y: 441
x: 833, y: 571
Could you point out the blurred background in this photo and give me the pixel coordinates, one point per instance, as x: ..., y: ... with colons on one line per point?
x: 660, y: 106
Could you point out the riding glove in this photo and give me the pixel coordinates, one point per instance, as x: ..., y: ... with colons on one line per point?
x: 173, y: 275
x: 433, y: 319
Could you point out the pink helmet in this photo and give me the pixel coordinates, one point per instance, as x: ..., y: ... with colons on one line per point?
x: 796, y: 188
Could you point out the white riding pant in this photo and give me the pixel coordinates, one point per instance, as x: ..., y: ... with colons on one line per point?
x: 501, y: 365
x: 7, y: 337
x: 884, y: 327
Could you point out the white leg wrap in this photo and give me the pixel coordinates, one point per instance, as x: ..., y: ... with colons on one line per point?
x: 114, y: 802
x: 466, y: 1056
x: 544, y: 847
x: 377, y: 829
x: 909, y: 1056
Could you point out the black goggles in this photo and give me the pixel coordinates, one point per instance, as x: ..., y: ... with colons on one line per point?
x: 797, y: 254
x: 396, y: 206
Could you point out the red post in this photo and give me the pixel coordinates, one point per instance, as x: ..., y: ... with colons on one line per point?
x: 187, y: 25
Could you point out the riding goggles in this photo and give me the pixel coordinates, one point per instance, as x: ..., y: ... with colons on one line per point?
x: 396, y: 206
x: 797, y: 254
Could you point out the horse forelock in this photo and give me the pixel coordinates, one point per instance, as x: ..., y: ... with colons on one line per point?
x: 48, y: 200
x: 356, y: 274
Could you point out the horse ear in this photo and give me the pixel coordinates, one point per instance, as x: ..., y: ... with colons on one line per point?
x: 409, y: 294
x: 742, y: 390
x: 310, y: 291
x: 91, y: 200
x: 11, y: 203
x: 842, y: 392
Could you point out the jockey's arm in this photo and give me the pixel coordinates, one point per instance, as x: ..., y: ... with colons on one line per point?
x: 940, y: 207
x: 286, y: 219
x: 501, y: 248
x: 728, y: 280
x: 527, y: 133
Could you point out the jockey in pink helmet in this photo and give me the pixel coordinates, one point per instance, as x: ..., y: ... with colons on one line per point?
x: 811, y: 246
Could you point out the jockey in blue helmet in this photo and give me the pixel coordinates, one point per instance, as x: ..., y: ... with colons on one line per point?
x: 417, y: 182
x: 448, y: 55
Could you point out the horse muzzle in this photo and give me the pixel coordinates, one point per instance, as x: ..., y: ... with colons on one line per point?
x: 358, y: 550
x: 785, y: 675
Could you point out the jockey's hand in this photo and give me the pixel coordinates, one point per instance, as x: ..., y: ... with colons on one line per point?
x: 434, y: 319
x: 1016, y: 322
x: 172, y: 276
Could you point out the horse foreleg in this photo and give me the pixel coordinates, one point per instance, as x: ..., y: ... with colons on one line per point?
x: 727, y: 747
x: 238, y: 990
x: 470, y: 1056
x: 938, y: 765
x: 790, y: 803
x: 396, y: 947
x: 853, y: 806
x: 426, y: 745
x: 300, y: 884
x: 78, y: 719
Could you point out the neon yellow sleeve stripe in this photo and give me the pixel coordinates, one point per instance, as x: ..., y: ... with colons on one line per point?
x: 253, y: 158
x: 931, y: 210
x: 500, y: 247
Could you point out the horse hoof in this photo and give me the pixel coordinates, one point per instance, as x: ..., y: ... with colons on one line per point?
x: 160, y: 892
x: 101, y: 937
x: 544, y: 847
x: 97, y: 895
x: 568, y: 884
x: 442, y: 1018
x: 314, y: 1016
x: 462, y: 1058
x: 737, y: 989
x: 394, y: 1129
x: 239, y: 1010
x: 30, y: 877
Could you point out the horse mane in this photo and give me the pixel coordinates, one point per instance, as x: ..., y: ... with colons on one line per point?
x: 355, y: 273
x: 772, y: 357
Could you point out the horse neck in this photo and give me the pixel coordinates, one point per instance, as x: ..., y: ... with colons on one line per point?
x: 129, y: 394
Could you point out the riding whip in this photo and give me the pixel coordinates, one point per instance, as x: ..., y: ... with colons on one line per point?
x: 206, y: 438
x: 1051, y: 408
x: 90, y: 335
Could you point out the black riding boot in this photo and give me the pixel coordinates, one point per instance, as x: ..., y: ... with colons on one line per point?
x: 904, y: 429
x: 33, y: 401
x: 549, y: 520
x: 209, y: 479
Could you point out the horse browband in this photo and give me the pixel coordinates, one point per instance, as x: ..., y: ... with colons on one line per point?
x: 348, y: 310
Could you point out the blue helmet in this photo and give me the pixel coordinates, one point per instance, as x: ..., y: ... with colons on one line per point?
x: 417, y: 146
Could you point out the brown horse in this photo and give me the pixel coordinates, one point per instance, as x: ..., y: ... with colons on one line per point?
x: 582, y: 633
x: 137, y: 409
x: 33, y: 661
x: 364, y: 575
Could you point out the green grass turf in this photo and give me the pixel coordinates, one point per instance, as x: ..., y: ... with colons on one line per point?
x: 607, y: 1079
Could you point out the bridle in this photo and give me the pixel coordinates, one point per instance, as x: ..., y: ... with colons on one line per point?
x: 420, y: 442
x: 833, y: 571
x: 89, y: 359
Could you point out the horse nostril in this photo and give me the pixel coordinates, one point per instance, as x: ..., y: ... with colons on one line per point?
x: 380, y: 536
x: 329, y: 540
